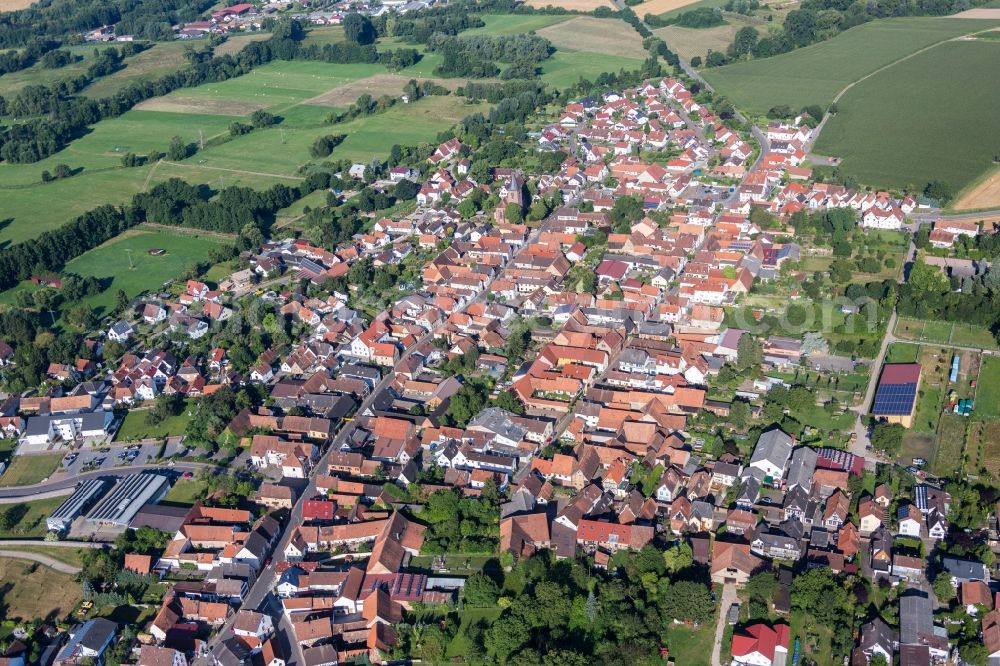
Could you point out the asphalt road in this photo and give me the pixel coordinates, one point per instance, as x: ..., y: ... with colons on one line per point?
x: 260, y: 596
x: 27, y: 493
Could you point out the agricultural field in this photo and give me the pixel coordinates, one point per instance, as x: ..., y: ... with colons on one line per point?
x: 572, y: 5
x: 612, y: 37
x: 877, y: 141
x: 691, y: 42
x: 29, y: 590
x: 982, y: 194
x: 564, y: 69
x: 512, y: 24
x: 668, y: 8
x: 817, y: 73
x: 275, y: 87
x: 163, y: 58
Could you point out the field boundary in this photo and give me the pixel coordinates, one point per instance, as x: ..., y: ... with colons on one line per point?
x: 248, y: 173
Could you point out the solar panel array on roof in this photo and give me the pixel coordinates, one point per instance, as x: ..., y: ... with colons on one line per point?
x: 894, y: 399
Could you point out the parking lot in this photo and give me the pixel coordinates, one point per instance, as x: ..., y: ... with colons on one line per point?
x: 109, y: 457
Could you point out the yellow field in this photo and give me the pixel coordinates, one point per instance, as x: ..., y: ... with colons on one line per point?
x: 12, y: 5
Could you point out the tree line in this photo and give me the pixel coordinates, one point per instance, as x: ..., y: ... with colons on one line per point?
x: 68, y: 18
x: 818, y: 20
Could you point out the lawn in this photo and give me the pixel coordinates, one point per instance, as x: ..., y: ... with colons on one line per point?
x: 902, y: 352
x: 691, y: 646
x: 186, y: 491
x: 134, y: 427
x: 988, y: 389
x: 816, y: 73
x: 460, y: 646
x: 935, y: 138
x: 30, y: 469
x: 31, y: 591
x: 32, y: 522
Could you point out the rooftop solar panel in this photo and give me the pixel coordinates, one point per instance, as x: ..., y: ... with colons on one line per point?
x: 894, y: 399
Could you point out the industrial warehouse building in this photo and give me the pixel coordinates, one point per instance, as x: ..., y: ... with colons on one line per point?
x: 76, y: 504
x: 128, y: 496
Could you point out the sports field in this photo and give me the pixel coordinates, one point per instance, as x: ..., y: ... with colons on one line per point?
x: 817, y: 73
x: 922, y: 119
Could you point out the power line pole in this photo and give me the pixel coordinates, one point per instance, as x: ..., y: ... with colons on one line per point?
x: 130, y: 264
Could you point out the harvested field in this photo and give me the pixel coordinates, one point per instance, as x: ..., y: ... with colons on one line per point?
x: 979, y: 13
x: 662, y: 6
x: 984, y: 194
x: 585, y: 33
x: 573, y: 5
x: 376, y: 86
x: 207, y: 105
x: 691, y: 42
x: 14, y: 5
x: 236, y: 42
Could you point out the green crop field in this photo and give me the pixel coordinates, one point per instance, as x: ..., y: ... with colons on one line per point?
x: 816, y: 73
x: 922, y: 119
x: 274, y: 86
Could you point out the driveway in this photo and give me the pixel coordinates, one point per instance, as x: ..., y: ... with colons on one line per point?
x: 728, y: 599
